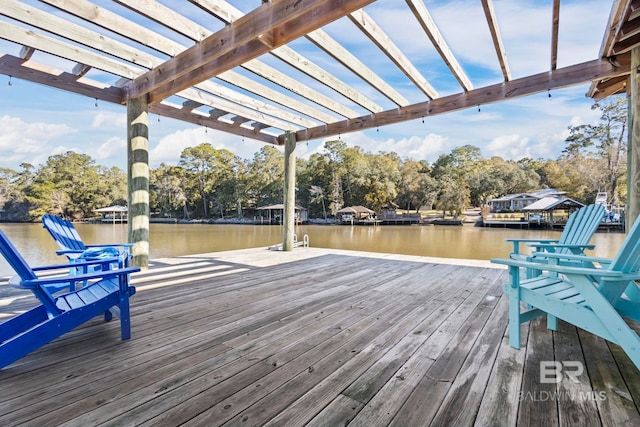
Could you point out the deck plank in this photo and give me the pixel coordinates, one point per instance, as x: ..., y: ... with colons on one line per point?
x: 313, y: 337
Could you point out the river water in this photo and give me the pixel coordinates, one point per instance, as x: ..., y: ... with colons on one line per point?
x: 466, y: 242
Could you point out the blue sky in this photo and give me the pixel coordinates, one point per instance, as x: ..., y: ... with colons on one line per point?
x: 36, y: 121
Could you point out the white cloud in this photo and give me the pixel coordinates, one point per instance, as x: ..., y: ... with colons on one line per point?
x: 112, y: 148
x: 170, y: 146
x: 109, y: 120
x: 21, y: 141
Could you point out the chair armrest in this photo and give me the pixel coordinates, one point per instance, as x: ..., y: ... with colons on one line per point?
x: 553, y: 246
x: 69, y: 251
x: 572, y: 257
x: 516, y: 242
x: 42, y: 281
x: 124, y: 245
x: 75, y: 264
x: 584, y: 271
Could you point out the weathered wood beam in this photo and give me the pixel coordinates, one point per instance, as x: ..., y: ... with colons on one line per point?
x: 37, y: 73
x: 112, y: 22
x: 90, y: 59
x: 563, y: 77
x: 617, y: 18
x: 626, y: 45
x: 216, y: 113
x: 81, y: 70
x: 492, y: 21
x: 279, y: 21
x: 633, y: 166
x: 26, y: 52
x: 369, y: 27
x: 321, y: 39
x: 613, y: 86
x: 174, y: 21
x: 431, y: 29
x: 240, y: 110
x: 306, y: 66
x: 210, y: 122
x: 71, y: 31
x: 28, y: 37
x: 191, y: 105
x: 48, y: 76
x: 555, y: 24
x: 630, y: 28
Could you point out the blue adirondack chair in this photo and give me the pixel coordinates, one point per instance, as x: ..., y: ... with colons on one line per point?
x: 105, y: 292
x: 71, y: 244
x: 591, y: 293
x: 574, y: 238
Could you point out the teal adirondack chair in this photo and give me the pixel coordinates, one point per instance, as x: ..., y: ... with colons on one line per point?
x: 574, y: 238
x: 591, y: 293
x: 105, y: 292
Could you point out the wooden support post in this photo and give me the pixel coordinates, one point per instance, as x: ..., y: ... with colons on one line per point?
x: 138, y: 179
x: 633, y: 155
x: 289, y: 191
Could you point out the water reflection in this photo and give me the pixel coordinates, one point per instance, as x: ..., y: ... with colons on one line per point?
x: 466, y: 242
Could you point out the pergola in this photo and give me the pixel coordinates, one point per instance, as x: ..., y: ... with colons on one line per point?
x: 212, y: 71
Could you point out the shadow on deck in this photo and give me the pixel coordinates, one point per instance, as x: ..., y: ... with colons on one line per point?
x: 316, y: 337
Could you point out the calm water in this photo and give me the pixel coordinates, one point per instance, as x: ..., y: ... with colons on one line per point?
x: 468, y: 242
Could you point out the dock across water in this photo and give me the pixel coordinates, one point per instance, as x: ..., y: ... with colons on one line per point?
x: 318, y: 337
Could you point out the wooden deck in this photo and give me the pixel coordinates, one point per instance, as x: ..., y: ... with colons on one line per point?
x: 316, y: 337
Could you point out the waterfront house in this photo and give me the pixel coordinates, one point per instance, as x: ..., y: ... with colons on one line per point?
x: 273, y: 214
x: 519, y: 201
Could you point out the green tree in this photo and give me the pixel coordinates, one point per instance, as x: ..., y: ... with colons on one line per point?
x: 606, y: 142
x: 69, y: 184
x: 266, y: 177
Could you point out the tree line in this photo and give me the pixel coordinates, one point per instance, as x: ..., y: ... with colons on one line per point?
x: 209, y: 183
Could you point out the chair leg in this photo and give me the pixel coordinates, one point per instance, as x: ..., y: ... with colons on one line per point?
x: 514, y: 317
x: 125, y: 322
x: 552, y: 322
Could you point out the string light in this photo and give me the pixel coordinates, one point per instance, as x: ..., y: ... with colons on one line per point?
x: 478, y: 108
x: 549, y: 93
x: 422, y: 119
x: 10, y: 84
x: 96, y: 104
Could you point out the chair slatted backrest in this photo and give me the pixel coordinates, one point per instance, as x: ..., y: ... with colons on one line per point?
x: 63, y: 233
x: 627, y: 259
x: 581, y: 226
x: 15, y: 260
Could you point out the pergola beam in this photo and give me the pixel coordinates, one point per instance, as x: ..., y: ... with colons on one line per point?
x: 49, y: 76
x: 267, y: 27
x: 555, y: 24
x: 227, y: 13
x: 563, y: 77
x: 368, y: 26
x: 431, y: 29
x: 226, y: 98
x: 492, y: 21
